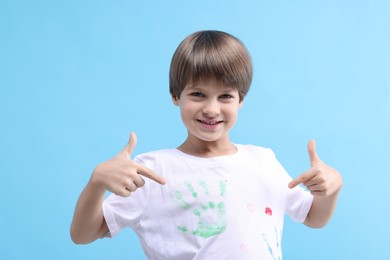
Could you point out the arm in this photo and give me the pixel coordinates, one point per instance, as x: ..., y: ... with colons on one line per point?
x: 120, y: 176
x: 324, y: 183
x: 88, y: 222
x: 321, y: 211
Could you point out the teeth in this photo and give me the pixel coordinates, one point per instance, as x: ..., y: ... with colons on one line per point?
x: 210, y: 122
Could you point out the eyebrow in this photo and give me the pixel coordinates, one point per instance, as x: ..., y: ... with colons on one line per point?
x: 200, y: 87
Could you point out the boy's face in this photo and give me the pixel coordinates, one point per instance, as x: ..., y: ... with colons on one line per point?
x: 208, y: 110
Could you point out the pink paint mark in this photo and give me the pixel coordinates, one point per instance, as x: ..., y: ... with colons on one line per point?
x: 268, y: 211
x: 244, y: 247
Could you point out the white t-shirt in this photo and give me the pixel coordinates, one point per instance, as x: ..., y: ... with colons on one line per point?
x: 228, y: 207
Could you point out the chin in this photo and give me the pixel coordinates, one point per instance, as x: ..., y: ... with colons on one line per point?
x: 208, y: 138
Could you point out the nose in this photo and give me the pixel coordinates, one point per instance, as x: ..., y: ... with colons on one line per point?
x: 211, y: 108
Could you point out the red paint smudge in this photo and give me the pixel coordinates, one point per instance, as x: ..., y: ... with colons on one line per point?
x: 268, y: 211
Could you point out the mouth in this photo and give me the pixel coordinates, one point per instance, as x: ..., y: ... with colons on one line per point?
x: 209, y: 122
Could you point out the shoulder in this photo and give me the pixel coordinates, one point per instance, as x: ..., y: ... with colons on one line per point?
x: 156, y: 154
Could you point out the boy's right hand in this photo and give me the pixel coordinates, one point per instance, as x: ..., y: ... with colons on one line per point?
x: 121, y: 175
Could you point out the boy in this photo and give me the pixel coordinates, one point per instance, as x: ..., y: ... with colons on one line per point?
x: 209, y: 198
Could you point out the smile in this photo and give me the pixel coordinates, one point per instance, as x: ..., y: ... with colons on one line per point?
x: 209, y: 122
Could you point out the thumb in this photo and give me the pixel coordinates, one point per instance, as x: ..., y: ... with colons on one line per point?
x: 129, y: 148
x: 311, y: 149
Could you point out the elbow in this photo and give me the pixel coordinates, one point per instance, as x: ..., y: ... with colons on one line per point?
x: 83, y: 235
x: 315, y: 224
x: 77, y: 238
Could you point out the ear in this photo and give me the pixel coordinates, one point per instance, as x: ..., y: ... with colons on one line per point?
x: 175, y: 100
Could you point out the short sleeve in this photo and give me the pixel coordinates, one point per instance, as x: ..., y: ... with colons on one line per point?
x: 298, y: 201
x: 121, y: 212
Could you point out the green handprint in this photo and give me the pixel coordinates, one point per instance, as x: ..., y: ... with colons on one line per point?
x: 205, y: 227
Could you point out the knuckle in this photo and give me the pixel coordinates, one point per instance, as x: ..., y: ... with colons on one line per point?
x: 141, y: 184
x: 325, y: 192
x: 124, y: 182
x: 132, y: 189
x: 303, y: 179
x: 148, y: 174
x: 127, y: 192
x: 322, y: 178
x: 121, y: 193
x: 316, y: 170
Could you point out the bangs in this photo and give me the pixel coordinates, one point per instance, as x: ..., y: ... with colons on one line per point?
x: 209, y: 60
x: 211, y: 55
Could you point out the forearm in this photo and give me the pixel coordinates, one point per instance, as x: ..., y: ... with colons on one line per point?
x: 88, y: 222
x: 120, y: 176
x: 321, y: 210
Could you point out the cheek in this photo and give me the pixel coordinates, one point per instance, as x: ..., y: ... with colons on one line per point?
x: 187, y: 109
x: 233, y: 113
x: 233, y: 119
x: 186, y: 113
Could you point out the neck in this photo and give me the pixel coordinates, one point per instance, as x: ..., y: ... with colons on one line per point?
x: 207, y: 149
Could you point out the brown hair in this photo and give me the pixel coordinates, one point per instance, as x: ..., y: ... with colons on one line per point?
x: 213, y: 55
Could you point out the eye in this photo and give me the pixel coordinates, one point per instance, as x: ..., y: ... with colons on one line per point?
x: 197, y: 94
x: 226, y: 96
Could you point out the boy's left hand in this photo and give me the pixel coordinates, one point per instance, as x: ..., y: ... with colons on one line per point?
x: 320, y: 179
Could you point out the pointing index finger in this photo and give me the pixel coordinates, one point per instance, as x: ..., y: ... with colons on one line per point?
x: 148, y: 173
x: 302, y: 178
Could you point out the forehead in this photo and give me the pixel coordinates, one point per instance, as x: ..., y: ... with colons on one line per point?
x: 209, y: 85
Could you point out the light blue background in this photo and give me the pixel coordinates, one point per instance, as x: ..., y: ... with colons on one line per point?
x: 77, y: 76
